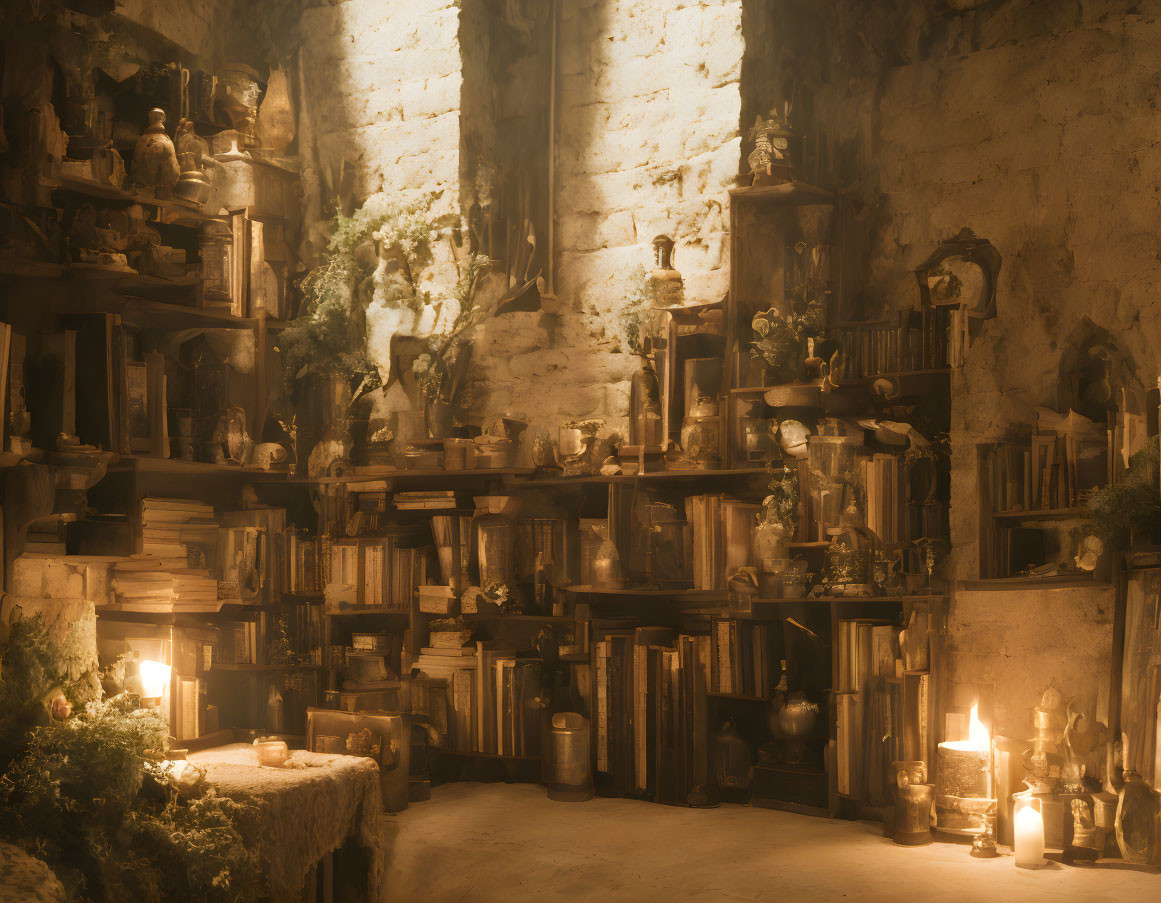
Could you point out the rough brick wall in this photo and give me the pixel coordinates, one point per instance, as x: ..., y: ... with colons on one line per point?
x: 1033, y: 124
x: 648, y: 143
x: 382, y: 92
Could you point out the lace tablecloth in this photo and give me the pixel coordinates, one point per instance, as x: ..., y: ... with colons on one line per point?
x: 303, y: 811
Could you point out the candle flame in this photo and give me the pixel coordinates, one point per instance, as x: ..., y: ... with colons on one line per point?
x: 978, y: 735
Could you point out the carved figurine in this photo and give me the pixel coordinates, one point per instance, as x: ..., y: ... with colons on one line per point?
x: 770, y: 159
x: 1087, y: 839
x: 154, y: 158
x: 1043, y: 761
x: 108, y: 166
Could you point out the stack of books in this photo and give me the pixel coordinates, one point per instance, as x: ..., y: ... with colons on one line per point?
x: 143, y: 583
x: 425, y: 499
x: 881, y: 475
x: 456, y: 666
x: 170, y: 526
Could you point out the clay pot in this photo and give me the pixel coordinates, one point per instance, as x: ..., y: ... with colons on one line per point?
x: 275, y: 118
x: 154, y: 158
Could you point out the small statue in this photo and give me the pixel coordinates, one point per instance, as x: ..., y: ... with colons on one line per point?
x: 1071, y: 768
x: 543, y: 454
x: 1087, y: 839
x: 984, y: 843
x: 109, y: 166
x: 1043, y: 761
x: 771, y: 140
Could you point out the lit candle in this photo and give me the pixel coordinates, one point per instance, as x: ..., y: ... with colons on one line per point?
x: 1028, y: 830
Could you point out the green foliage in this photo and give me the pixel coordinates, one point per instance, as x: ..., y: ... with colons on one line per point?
x: 1133, y: 505
x: 329, y: 336
x: 86, y: 796
x: 72, y: 787
x: 634, y: 316
x: 196, y: 850
x: 31, y: 669
x: 782, y: 502
x: 439, y: 372
x: 781, y: 339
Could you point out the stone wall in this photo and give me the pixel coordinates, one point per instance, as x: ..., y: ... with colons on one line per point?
x: 1032, y: 123
x: 648, y: 143
x: 381, y: 90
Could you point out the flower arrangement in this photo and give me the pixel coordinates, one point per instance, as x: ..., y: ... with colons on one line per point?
x: 781, y: 339
x: 635, y: 316
x: 782, y: 502
x: 370, y: 317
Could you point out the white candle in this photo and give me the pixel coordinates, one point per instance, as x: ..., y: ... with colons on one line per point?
x: 1028, y: 830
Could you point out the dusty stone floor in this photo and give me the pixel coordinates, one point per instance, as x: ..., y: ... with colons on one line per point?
x: 473, y: 843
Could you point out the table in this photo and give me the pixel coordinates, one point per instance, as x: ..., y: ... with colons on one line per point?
x: 303, y: 811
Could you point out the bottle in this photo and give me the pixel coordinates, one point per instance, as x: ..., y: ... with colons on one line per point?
x: 668, y: 288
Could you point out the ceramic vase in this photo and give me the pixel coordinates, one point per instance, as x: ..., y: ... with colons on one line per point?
x: 275, y: 118
x: 154, y: 158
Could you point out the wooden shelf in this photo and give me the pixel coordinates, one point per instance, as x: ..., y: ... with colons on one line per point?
x: 418, y: 474
x: 1043, y: 514
x: 480, y: 755
x: 219, y: 666
x: 657, y: 476
x: 1059, y: 581
x: 518, y: 619
x: 179, y: 467
x: 821, y: 544
x: 787, y: 194
x: 739, y: 697
x: 367, y: 610
x: 645, y: 592
x: 175, y: 210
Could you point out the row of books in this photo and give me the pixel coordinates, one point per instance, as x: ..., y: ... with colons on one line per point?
x: 1051, y: 471
x: 382, y: 571
x: 927, y: 339
x: 495, y: 697
x: 882, y: 711
x: 650, y: 712
x: 247, y: 641
x: 1007, y: 551
x: 745, y: 658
